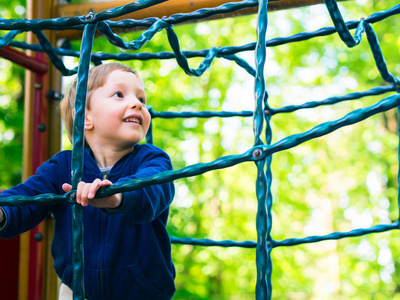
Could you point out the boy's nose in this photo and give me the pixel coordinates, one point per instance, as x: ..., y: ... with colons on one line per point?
x: 135, y: 103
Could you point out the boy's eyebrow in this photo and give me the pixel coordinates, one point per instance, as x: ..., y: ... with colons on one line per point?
x: 120, y: 84
x: 125, y: 84
x: 138, y: 89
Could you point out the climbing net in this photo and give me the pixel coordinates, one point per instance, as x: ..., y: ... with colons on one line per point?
x: 260, y: 152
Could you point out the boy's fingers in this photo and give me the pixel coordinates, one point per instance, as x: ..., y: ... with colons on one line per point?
x: 85, y: 193
x: 66, y: 187
x: 105, y: 182
x: 79, y: 190
x: 93, y: 188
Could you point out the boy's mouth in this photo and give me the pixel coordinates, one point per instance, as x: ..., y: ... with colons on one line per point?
x: 133, y: 119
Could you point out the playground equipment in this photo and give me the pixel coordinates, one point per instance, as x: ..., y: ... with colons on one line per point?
x: 260, y: 153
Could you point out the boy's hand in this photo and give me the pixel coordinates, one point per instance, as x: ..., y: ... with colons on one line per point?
x: 86, y: 191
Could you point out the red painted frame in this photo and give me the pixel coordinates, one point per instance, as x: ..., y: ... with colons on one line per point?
x: 39, y: 155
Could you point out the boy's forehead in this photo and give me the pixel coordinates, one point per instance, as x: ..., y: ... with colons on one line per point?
x: 124, y: 77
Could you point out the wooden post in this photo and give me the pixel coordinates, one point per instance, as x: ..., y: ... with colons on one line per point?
x: 37, y: 279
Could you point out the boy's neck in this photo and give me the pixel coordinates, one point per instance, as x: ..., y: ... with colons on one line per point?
x: 107, y: 157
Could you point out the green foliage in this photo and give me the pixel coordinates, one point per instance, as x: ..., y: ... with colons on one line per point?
x: 339, y: 182
x: 11, y: 108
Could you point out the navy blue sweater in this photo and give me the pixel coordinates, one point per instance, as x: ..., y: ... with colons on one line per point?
x: 127, y: 250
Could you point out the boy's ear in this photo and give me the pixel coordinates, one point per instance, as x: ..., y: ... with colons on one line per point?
x: 88, y: 123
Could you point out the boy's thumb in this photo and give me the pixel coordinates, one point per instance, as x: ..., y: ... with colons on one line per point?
x: 66, y: 187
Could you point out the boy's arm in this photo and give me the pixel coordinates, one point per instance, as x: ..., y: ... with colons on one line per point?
x: 149, y: 202
x: 23, y: 218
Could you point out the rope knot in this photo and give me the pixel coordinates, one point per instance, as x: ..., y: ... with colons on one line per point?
x: 257, y: 153
x: 89, y: 17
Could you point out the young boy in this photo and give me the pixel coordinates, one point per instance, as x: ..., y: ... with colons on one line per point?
x: 127, y: 247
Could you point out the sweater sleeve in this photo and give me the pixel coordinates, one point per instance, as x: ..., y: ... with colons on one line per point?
x: 23, y: 218
x: 146, y: 204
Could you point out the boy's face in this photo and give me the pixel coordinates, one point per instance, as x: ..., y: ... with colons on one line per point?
x: 118, y: 113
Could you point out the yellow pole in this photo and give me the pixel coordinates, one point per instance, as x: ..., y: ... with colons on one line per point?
x: 50, y: 280
x: 39, y: 9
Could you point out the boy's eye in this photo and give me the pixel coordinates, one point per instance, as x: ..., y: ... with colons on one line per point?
x: 142, y: 100
x: 118, y: 95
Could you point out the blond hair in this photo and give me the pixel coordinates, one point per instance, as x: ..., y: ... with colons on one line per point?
x: 97, y: 78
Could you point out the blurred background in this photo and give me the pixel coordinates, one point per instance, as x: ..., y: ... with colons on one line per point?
x: 339, y: 182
